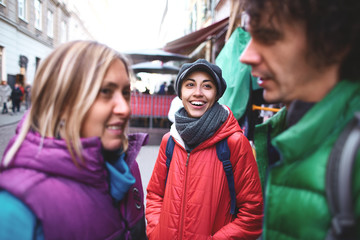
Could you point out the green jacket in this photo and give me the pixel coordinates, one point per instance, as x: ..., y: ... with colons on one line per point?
x: 294, y: 185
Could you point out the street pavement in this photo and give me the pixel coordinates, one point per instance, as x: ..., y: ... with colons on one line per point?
x: 8, y: 123
x: 11, y: 118
x: 146, y: 158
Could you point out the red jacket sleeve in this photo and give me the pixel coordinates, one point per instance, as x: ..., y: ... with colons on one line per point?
x: 249, y: 201
x: 156, y: 190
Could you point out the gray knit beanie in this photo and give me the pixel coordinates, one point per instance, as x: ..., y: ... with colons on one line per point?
x: 201, y: 65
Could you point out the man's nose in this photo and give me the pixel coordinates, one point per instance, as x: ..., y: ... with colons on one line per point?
x: 250, y: 55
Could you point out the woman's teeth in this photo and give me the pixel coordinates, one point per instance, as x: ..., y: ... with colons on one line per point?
x: 114, y: 127
x: 197, y: 103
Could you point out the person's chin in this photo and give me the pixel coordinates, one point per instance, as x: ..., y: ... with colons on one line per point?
x: 112, y: 145
x: 271, y: 97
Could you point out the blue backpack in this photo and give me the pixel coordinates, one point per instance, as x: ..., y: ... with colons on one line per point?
x: 223, y: 153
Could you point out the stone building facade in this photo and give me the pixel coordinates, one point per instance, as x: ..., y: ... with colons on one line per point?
x: 29, y: 31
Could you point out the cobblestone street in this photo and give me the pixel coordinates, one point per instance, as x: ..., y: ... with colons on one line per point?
x: 6, y: 132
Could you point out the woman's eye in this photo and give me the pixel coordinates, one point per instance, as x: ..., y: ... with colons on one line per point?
x: 208, y: 86
x: 106, y: 91
x: 127, y: 94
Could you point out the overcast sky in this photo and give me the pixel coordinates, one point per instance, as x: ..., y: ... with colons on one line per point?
x: 135, y: 24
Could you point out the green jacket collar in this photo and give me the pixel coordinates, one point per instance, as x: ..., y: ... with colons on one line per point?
x: 329, y: 115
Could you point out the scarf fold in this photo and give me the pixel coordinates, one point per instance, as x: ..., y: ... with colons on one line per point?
x: 196, y: 130
x: 120, y: 177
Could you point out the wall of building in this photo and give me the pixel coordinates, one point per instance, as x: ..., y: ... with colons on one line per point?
x: 16, y: 43
x: 175, y: 21
x: 199, y: 14
x: 222, y: 9
x: 20, y: 37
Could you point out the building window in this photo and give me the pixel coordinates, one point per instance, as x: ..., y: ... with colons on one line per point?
x: 50, y: 23
x: 63, y: 32
x: 38, y: 14
x: 37, y: 62
x: 194, y: 18
x: 1, y: 63
x: 204, y: 11
x: 209, y: 4
x: 22, y: 9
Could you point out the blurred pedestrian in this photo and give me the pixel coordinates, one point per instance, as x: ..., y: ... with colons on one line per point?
x: 16, y: 96
x: 147, y: 91
x: 162, y: 89
x: 70, y: 171
x: 5, y: 93
x: 191, y: 199
x: 306, y: 55
x: 170, y: 89
x: 22, y: 89
x: 27, y: 96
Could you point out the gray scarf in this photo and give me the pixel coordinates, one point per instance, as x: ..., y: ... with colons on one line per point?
x: 196, y: 130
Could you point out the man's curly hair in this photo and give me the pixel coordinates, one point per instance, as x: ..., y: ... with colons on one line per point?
x: 332, y: 28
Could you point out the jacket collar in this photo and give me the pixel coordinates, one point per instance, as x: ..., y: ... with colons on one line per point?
x: 38, y: 153
x: 229, y: 127
x: 329, y: 116
x: 136, y: 141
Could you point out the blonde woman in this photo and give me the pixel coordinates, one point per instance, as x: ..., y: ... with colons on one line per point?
x: 67, y: 172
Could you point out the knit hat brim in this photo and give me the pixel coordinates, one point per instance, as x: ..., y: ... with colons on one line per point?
x: 201, y: 65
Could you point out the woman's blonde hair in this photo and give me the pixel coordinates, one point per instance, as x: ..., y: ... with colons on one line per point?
x: 66, y: 85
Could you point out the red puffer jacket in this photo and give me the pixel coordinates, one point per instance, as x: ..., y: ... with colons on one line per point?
x: 196, y: 201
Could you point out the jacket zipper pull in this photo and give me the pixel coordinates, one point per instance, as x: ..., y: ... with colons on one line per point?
x: 187, y: 160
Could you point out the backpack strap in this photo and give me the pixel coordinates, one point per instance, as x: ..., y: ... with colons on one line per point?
x: 223, y: 153
x: 169, y: 153
x: 339, y: 181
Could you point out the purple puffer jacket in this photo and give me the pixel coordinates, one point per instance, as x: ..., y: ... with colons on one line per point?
x: 132, y: 206
x: 72, y: 202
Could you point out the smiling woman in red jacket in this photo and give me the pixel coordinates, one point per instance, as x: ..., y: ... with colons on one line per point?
x: 191, y: 199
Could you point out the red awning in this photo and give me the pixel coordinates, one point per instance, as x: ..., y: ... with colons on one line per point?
x: 188, y: 43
